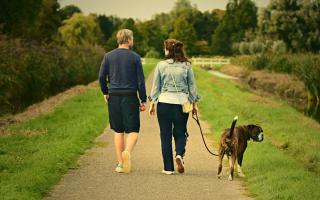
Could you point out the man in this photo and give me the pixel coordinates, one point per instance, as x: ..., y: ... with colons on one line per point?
x: 123, y: 69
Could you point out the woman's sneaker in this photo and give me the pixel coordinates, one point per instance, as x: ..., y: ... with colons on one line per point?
x: 180, y: 164
x: 167, y: 172
x: 126, y: 158
x: 119, y: 168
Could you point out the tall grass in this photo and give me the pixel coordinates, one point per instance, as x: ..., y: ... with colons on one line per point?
x: 305, y: 66
x: 284, y: 166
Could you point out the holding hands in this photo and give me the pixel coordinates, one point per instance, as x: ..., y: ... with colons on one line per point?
x: 142, y: 106
x: 152, y: 110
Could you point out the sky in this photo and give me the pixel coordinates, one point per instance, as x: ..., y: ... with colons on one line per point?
x: 142, y: 9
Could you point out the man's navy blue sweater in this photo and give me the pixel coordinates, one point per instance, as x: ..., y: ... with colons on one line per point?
x: 124, y: 71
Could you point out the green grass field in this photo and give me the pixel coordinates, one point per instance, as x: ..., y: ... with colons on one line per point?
x: 286, y: 164
x: 149, y: 65
x: 38, y: 152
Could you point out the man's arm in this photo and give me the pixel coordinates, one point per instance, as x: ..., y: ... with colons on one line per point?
x: 103, y: 73
x: 141, y: 82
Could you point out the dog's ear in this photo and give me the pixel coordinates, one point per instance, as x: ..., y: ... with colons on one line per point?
x: 251, y: 126
x: 259, y: 127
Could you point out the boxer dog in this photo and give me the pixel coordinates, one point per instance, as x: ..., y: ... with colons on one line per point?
x: 233, y: 142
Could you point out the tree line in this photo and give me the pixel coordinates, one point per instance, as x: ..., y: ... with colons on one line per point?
x: 243, y: 28
x: 36, y: 32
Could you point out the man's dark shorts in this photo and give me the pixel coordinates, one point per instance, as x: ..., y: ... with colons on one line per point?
x: 124, y: 113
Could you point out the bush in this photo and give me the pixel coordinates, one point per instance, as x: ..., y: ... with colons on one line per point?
x: 305, y: 66
x: 31, y: 72
x: 260, y: 62
x: 279, y: 47
x: 244, y: 48
x: 152, y: 53
x: 235, y: 48
x: 256, y: 47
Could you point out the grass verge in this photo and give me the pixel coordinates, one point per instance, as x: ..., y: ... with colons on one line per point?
x: 37, y: 152
x: 286, y: 164
x: 149, y: 65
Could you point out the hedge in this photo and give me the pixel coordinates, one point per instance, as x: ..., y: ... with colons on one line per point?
x: 31, y: 72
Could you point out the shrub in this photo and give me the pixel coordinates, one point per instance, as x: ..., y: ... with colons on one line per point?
x: 152, y: 53
x: 256, y: 47
x: 235, y: 48
x: 244, y: 48
x: 260, y: 62
x: 279, y: 47
x: 31, y: 72
x: 305, y: 66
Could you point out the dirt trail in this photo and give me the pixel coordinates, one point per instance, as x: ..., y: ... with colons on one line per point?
x: 95, y: 178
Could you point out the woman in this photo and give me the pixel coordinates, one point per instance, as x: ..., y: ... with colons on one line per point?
x: 173, y: 85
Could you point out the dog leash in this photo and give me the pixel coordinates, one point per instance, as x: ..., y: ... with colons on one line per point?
x: 196, y: 118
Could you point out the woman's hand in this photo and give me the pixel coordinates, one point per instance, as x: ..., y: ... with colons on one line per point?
x: 152, y: 110
x: 194, y: 109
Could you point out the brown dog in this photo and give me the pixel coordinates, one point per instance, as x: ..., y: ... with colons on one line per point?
x: 233, y: 142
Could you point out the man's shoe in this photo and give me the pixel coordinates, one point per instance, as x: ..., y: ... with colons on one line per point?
x: 126, y: 158
x: 119, y: 168
x: 180, y: 164
x: 167, y: 172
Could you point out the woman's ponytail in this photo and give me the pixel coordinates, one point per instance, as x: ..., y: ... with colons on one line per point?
x: 176, y: 50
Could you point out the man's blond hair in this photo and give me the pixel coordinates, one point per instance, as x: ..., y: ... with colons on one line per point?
x: 124, y: 36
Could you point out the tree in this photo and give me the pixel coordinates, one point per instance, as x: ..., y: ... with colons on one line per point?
x: 221, y: 40
x: 67, y: 11
x: 18, y: 17
x: 240, y: 17
x: 138, y: 40
x: 48, y: 21
x: 205, y: 25
x: 152, y: 36
x: 185, y: 32
x: 163, y: 20
x: 108, y: 24
x: 311, y: 15
x: 80, y: 30
x: 295, y: 22
x: 245, y: 19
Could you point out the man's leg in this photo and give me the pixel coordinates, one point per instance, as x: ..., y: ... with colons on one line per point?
x: 131, y: 121
x: 119, y: 145
x: 131, y: 141
x: 126, y: 154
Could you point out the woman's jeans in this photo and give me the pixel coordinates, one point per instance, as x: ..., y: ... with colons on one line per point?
x: 172, y: 121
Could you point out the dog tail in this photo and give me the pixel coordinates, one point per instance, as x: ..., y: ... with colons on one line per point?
x: 233, y: 125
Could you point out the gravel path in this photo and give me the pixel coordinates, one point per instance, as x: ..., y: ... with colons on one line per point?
x: 95, y: 178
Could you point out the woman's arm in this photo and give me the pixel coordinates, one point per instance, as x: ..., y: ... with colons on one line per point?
x: 156, y: 90
x: 156, y: 85
x: 193, y: 97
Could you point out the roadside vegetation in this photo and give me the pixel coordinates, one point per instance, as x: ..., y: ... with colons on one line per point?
x: 36, y: 153
x: 304, y: 66
x: 285, y: 165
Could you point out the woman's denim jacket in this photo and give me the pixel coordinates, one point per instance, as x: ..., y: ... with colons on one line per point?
x: 183, y: 76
